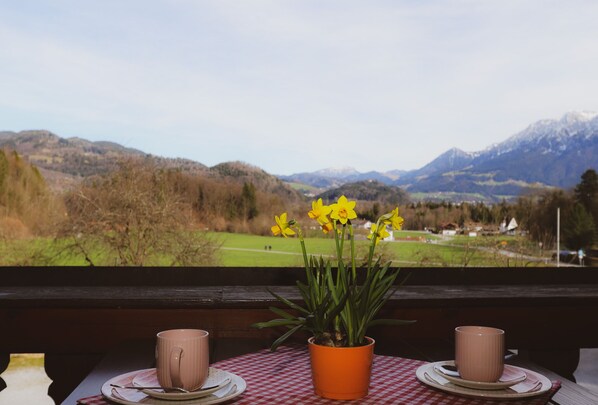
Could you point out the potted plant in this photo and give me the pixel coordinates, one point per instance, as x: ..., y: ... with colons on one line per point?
x: 340, y: 300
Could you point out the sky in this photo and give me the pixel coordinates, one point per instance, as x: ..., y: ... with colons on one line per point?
x: 296, y: 86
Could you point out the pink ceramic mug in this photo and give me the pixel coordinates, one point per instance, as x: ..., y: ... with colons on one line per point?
x: 182, y: 358
x: 479, y: 353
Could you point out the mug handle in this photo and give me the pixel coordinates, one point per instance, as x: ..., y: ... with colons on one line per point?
x: 175, y: 367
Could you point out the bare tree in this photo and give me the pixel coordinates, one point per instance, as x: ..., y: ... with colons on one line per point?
x: 135, y: 217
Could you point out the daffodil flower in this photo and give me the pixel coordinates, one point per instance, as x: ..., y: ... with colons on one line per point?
x: 282, y: 227
x: 380, y: 233
x: 343, y: 210
x: 394, y: 219
x: 319, y: 211
x: 326, y: 227
x: 340, y: 305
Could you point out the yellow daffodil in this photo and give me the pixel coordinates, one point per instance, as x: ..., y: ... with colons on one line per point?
x: 335, y: 298
x: 343, y: 210
x: 282, y: 226
x: 395, y: 220
x: 380, y: 233
x: 326, y: 227
x: 319, y: 211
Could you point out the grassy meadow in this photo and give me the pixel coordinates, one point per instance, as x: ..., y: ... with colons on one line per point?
x: 409, y: 249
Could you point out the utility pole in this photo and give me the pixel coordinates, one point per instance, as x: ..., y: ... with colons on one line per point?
x: 558, y: 237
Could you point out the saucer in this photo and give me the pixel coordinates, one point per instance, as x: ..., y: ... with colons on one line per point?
x: 217, y: 379
x: 426, y: 375
x: 511, y: 375
x: 233, y: 389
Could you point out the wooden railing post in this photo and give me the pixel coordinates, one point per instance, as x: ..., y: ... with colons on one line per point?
x: 66, y: 372
x: 4, y: 360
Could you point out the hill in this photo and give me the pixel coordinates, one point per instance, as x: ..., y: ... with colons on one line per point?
x: 232, y: 196
x: 242, y: 172
x: 64, y: 162
x: 26, y: 204
x: 368, y: 190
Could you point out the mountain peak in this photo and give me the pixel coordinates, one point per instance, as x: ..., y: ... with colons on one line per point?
x: 455, y: 152
x: 569, y: 125
x: 578, y: 116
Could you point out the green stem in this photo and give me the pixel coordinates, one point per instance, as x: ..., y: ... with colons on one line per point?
x: 336, y: 241
x: 353, y: 268
x: 305, y: 261
x: 342, y: 247
x: 373, y: 246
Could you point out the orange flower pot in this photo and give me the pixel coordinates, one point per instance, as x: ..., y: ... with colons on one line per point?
x: 341, y: 372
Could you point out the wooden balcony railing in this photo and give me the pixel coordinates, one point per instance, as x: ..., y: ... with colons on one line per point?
x: 76, y: 315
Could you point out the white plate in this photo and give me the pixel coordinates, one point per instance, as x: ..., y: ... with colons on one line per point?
x: 230, y: 391
x: 505, y: 393
x: 511, y: 376
x: 217, y: 379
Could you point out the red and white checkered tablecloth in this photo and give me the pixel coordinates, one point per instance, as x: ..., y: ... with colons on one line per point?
x: 284, y: 377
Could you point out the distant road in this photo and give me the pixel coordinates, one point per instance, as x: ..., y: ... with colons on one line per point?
x: 514, y: 255
x: 278, y: 252
x: 502, y: 252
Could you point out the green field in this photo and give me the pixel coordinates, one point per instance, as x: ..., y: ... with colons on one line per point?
x: 410, y: 249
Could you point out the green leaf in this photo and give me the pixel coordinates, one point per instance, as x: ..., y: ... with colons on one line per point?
x: 282, y: 313
x: 289, y: 303
x: 284, y: 337
x: 390, y: 322
x: 277, y: 322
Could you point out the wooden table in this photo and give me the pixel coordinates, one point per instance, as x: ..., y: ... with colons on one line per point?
x: 139, y: 355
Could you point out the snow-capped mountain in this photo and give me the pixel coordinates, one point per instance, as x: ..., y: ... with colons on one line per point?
x: 337, y: 172
x: 451, y: 160
x: 335, y: 177
x: 548, y: 153
x: 552, y: 136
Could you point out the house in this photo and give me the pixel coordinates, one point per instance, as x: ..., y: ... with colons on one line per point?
x: 448, y: 228
x: 509, y: 229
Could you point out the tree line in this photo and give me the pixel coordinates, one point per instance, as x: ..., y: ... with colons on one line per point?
x: 143, y: 213
x: 139, y: 214
x: 535, y: 213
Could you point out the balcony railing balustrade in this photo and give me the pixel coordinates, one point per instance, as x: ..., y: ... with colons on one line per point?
x: 77, y: 315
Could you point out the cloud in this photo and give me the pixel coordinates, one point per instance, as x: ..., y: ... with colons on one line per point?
x: 295, y: 86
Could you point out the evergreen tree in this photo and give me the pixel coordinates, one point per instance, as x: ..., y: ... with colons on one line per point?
x: 586, y: 194
x: 249, y: 200
x: 579, y: 231
x: 586, y: 191
x: 542, y: 221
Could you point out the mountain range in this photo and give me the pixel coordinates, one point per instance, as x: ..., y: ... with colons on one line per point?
x: 66, y: 161
x: 548, y: 153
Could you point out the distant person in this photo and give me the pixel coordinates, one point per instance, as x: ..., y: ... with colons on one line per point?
x: 580, y: 255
